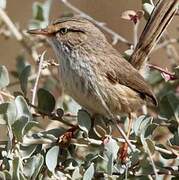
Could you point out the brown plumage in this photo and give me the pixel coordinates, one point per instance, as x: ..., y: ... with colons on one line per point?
x: 92, y: 71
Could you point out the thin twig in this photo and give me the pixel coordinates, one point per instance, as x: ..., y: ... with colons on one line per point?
x: 135, y: 33
x: 116, y: 37
x: 7, y: 95
x: 34, y: 91
x: 52, y: 115
x: 10, y: 25
x: 171, y: 75
x: 152, y: 162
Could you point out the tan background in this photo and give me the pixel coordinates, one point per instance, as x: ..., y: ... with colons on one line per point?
x: 108, y: 11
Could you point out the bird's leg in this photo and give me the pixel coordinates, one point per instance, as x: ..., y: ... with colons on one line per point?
x: 123, y: 150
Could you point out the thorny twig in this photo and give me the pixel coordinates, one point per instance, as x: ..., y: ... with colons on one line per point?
x: 152, y: 161
x: 116, y: 37
x: 34, y: 90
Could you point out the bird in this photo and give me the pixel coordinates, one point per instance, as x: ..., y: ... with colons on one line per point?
x: 92, y: 71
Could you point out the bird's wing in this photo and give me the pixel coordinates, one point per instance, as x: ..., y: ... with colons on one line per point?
x: 121, y: 71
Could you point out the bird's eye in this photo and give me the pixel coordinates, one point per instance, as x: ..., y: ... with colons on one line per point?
x: 63, y: 31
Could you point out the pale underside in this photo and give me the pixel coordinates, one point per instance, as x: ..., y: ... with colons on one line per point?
x: 95, y: 92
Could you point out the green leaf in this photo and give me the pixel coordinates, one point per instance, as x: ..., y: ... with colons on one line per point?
x: 111, y: 148
x: 150, y: 145
x: 2, y: 176
x: 175, y: 140
x: 16, y: 167
x: 46, y: 101
x: 24, y: 78
x: 46, y: 9
x: 147, y: 1
x: 32, y: 166
x: 70, y: 164
x: 84, y: 121
x: 27, y: 151
x: 140, y: 123
x: 172, y: 126
x: 143, y: 127
x: 19, y: 126
x: 21, y: 63
x: 37, y: 10
x: 38, y: 165
x: 134, y: 157
x: 8, y: 112
x: 110, y: 164
x: 76, y: 174
x: 51, y: 158
x: 150, y: 129
x: 176, y: 70
x: 169, y: 105
x: 22, y: 108
x: 154, y: 78
x: 40, y: 14
x: 7, y: 175
x: 4, y: 76
x: 148, y: 8
x: 88, y: 175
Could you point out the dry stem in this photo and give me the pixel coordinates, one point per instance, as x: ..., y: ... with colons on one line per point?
x: 162, y: 15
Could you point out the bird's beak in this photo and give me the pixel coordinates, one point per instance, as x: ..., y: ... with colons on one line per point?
x: 44, y: 32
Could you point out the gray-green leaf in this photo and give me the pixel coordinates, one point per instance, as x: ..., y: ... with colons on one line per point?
x: 24, y: 78
x: 22, y: 107
x: 51, y: 158
x: 46, y: 101
x: 4, y: 76
x: 84, y: 121
x: 88, y: 175
x: 8, y: 112
x: 148, y: 8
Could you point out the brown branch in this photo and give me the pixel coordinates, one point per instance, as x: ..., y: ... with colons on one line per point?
x: 160, y: 18
x: 52, y: 116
